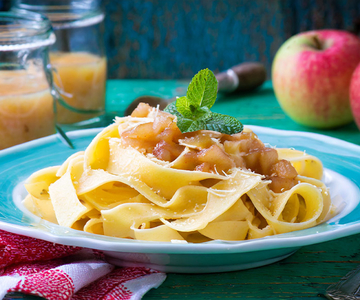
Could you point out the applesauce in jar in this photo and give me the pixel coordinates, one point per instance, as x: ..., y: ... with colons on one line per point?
x: 77, y: 57
x: 26, y: 107
x: 80, y: 78
x: 26, y: 100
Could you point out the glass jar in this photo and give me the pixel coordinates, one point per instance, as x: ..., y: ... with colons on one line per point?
x: 77, y: 57
x: 26, y: 101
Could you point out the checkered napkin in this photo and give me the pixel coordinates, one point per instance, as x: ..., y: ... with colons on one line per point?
x: 54, y: 271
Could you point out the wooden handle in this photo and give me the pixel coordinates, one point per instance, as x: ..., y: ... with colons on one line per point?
x: 243, y: 77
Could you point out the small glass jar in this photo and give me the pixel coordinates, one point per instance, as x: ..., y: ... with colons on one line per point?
x: 77, y: 57
x: 26, y: 101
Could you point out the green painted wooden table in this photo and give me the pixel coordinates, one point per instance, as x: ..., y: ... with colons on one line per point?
x: 304, y: 275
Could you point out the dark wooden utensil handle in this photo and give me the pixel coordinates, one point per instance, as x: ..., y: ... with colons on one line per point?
x: 243, y: 77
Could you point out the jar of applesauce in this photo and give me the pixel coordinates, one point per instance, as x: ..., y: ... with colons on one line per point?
x: 77, y: 58
x: 26, y: 101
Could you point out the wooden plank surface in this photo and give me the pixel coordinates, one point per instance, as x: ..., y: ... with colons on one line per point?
x: 174, y: 39
x: 304, y: 275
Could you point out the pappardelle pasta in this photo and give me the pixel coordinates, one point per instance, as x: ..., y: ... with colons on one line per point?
x: 141, y: 178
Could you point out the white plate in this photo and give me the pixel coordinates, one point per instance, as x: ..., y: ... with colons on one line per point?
x: 342, y: 175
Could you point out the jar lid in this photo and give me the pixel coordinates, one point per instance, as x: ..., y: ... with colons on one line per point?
x: 64, y: 14
x: 24, y: 31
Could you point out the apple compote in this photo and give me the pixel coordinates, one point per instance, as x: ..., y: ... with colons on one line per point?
x: 208, y: 151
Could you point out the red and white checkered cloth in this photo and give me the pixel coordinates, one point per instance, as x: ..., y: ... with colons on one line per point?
x: 54, y: 271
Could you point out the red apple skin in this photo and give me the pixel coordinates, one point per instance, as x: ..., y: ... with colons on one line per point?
x: 312, y: 83
x: 355, y: 95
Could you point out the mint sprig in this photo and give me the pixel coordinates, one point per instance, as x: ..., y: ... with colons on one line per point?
x: 193, y: 110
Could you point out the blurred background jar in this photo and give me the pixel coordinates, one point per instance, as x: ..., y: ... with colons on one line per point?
x: 77, y: 58
x: 26, y: 101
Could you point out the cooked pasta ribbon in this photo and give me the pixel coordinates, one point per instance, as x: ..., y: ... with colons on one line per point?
x: 213, y: 187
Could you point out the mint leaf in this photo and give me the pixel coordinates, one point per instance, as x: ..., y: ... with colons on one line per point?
x: 197, y: 125
x: 184, y: 107
x: 171, y: 109
x: 202, y: 90
x: 193, y: 110
x: 182, y: 123
x: 200, y: 95
x: 214, y: 121
x: 190, y: 111
x: 223, y: 123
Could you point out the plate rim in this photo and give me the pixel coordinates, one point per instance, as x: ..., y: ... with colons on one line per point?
x: 125, y: 245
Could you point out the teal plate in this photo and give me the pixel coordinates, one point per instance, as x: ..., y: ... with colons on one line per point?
x: 342, y: 174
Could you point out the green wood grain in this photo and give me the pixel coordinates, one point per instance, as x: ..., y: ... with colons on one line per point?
x: 172, y: 39
x: 304, y: 275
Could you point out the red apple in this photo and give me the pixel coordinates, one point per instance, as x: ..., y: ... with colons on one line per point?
x: 355, y: 95
x: 311, y: 76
